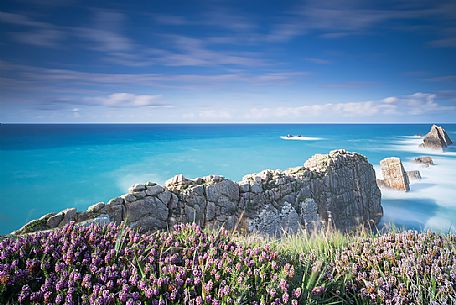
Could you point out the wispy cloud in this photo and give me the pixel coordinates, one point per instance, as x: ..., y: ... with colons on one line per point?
x: 447, y: 39
x: 19, y: 76
x: 37, y: 33
x: 209, y: 115
x: 351, y: 85
x: 120, y: 100
x: 443, y: 78
x: 336, y: 19
x: 106, y: 32
x: 114, y: 100
x: 215, y: 16
x: 195, y: 52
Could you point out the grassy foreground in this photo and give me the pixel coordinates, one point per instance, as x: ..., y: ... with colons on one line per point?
x: 117, y: 265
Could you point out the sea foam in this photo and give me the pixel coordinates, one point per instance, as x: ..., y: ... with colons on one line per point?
x: 431, y: 201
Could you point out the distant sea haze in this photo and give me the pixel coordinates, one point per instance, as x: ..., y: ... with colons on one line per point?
x: 47, y: 168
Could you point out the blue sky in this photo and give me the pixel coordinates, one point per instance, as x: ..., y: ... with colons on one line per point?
x: 227, y: 61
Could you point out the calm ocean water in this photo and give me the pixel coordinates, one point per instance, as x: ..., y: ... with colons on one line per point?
x: 45, y: 168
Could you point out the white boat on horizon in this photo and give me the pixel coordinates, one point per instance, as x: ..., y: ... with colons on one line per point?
x: 299, y: 138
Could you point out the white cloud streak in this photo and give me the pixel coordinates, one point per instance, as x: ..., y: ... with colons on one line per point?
x: 414, y: 105
x: 120, y: 100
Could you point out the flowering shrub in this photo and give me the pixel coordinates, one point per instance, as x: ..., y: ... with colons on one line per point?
x: 117, y: 265
x: 401, y: 268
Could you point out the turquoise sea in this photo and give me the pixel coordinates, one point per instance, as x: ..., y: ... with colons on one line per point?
x: 45, y: 168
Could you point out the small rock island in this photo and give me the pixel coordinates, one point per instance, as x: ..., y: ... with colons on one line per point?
x: 437, y: 138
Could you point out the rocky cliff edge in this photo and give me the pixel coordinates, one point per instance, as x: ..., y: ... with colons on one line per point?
x: 337, y: 189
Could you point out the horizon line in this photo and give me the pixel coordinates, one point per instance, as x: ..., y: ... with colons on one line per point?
x: 219, y: 123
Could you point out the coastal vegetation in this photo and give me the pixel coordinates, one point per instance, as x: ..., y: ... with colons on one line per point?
x: 112, y: 264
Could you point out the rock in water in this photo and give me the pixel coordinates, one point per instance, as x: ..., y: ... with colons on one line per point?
x: 394, y: 175
x: 336, y: 190
x: 426, y: 161
x: 414, y: 175
x: 437, y: 138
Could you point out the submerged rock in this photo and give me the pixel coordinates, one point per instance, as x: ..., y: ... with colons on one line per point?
x: 394, y: 175
x: 426, y: 161
x: 437, y: 138
x: 336, y: 189
x: 414, y: 175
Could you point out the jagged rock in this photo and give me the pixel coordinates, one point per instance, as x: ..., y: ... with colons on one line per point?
x: 191, y: 205
x: 116, y: 201
x: 341, y: 183
x: 68, y: 215
x: 381, y: 183
x: 165, y: 196
x: 274, y: 222
x: 289, y: 219
x: 190, y: 212
x: 244, y: 187
x: 97, y: 207
x: 267, y: 221
x: 256, y: 188
x: 128, y: 197
x: 210, y: 211
x: 137, y: 188
x: 154, y: 190
x: 147, y: 214
x: 394, y: 175
x: 224, y: 188
x: 337, y: 189
x: 414, y: 175
x: 34, y: 225
x: 309, y: 215
x: 426, y: 161
x: 139, y: 195
x: 115, y: 209
x: 437, y: 138
x: 177, y: 182
x: 116, y: 213
x: 54, y: 220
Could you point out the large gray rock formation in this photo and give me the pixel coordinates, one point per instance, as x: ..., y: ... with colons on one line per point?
x: 437, y: 138
x: 394, y: 175
x: 337, y: 190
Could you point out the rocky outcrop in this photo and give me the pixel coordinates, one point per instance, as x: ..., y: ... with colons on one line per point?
x: 414, y: 175
x: 337, y: 190
x: 394, y: 175
x: 425, y: 161
x: 437, y: 138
